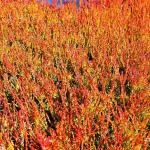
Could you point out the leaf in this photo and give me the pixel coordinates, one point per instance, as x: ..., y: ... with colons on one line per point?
x: 138, y: 147
x: 10, y: 147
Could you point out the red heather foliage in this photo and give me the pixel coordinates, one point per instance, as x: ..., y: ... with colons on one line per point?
x: 75, y: 79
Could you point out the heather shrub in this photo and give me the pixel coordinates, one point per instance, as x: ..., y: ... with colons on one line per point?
x: 75, y: 79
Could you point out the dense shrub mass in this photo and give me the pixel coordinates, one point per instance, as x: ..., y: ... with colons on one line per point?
x: 75, y: 79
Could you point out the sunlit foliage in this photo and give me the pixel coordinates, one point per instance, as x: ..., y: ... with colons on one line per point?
x: 75, y: 79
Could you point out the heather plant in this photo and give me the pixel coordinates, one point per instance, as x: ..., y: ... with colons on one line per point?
x: 75, y: 78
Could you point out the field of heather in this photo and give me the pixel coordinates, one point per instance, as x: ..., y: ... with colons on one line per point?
x: 75, y: 78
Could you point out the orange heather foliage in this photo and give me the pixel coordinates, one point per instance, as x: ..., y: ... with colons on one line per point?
x: 75, y: 79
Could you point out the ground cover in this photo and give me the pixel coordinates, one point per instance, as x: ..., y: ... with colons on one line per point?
x: 75, y: 78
